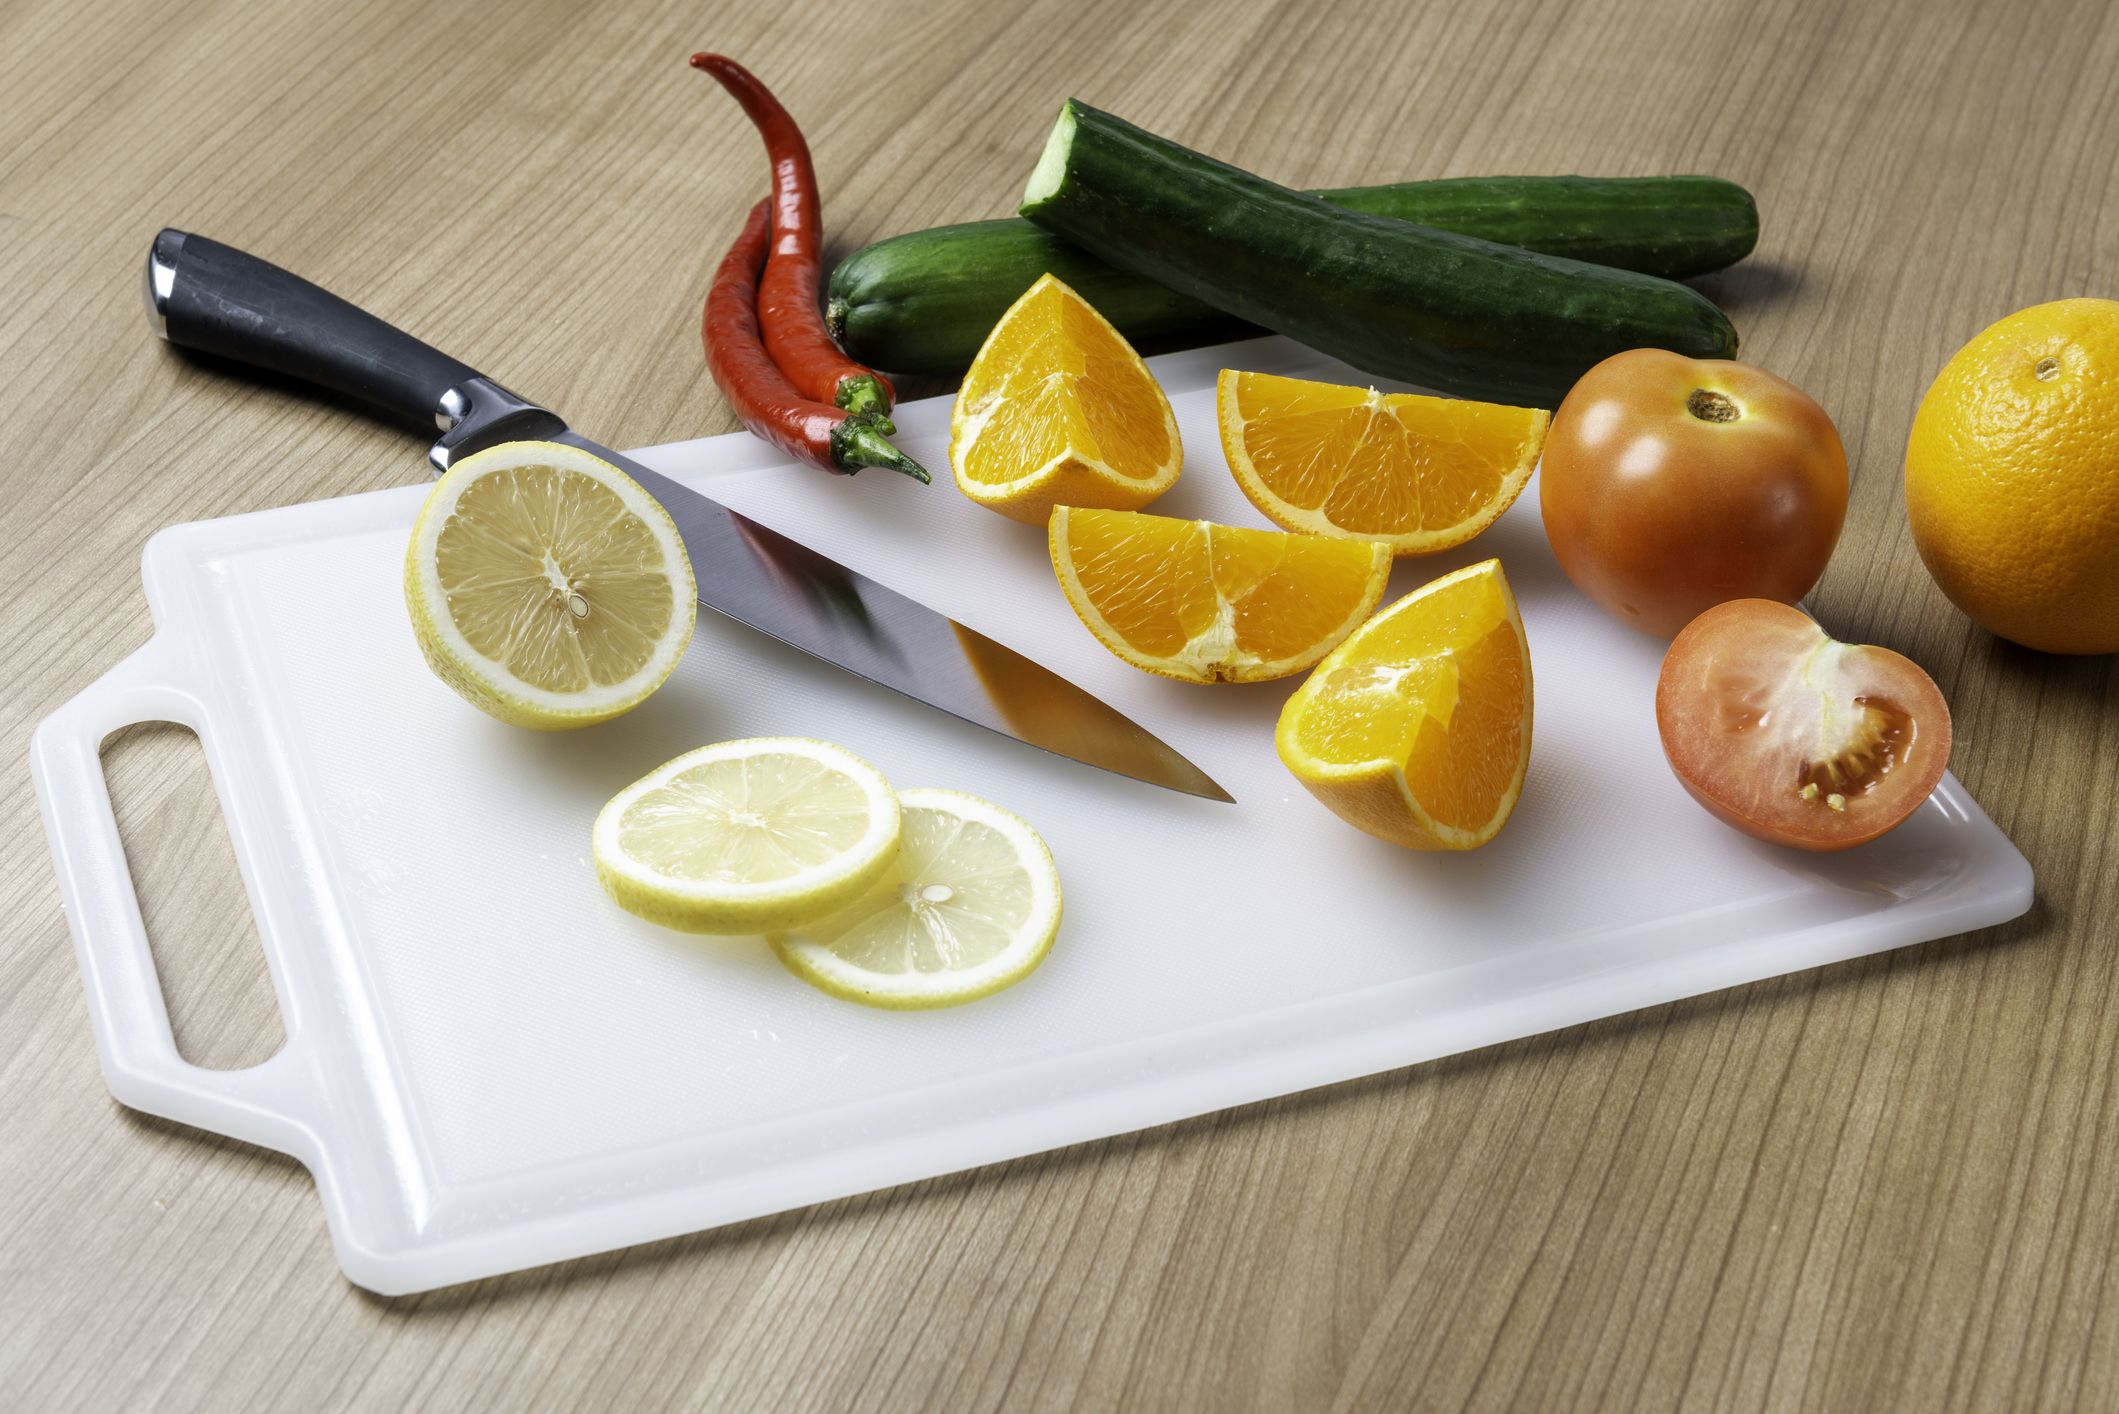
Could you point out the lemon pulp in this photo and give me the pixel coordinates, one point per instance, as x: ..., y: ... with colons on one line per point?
x: 546, y: 586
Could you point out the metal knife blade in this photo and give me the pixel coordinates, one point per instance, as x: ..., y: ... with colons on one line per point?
x: 211, y: 297
x: 761, y: 578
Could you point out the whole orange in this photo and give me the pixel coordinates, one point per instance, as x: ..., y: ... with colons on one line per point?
x: 2012, y: 477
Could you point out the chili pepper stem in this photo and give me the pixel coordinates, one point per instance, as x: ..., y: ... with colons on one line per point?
x: 855, y: 444
x: 864, y: 398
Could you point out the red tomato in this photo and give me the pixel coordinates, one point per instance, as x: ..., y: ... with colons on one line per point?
x: 1793, y: 736
x: 1671, y: 484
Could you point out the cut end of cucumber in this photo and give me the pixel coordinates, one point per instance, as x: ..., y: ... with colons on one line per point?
x: 1052, y: 163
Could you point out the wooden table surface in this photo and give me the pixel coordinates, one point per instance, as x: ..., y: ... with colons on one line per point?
x: 1893, y: 1183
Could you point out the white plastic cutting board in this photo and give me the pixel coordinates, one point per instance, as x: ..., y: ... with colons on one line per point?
x: 489, y: 1066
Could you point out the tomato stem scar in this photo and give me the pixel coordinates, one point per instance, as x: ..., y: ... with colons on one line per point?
x: 1710, y: 406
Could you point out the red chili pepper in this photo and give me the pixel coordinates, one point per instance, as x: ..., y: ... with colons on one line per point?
x: 770, y: 406
x: 789, y: 312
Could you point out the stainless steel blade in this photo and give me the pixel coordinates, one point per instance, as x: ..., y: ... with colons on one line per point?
x: 761, y: 578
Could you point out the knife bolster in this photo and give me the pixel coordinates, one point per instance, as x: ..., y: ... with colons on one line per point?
x: 479, y: 413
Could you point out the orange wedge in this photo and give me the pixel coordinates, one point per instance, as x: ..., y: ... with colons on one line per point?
x: 1417, y: 728
x: 1058, y: 410
x: 1419, y: 474
x: 1211, y: 603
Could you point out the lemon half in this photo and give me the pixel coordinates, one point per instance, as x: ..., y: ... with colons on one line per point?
x: 547, y: 587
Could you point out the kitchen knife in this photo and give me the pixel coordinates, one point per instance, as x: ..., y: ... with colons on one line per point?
x: 210, y: 297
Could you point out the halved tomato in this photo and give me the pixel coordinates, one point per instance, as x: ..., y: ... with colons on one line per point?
x: 1793, y: 736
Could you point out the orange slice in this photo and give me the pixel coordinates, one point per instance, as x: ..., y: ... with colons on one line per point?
x: 1212, y: 603
x: 1417, y: 728
x: 1058, y: 410
x: 1419, y: 474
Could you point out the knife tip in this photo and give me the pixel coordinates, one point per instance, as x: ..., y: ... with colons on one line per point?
x: 1189, y: 779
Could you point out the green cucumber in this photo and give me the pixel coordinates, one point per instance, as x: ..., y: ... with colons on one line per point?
x: 1392, y: 298
x: 923, y: 302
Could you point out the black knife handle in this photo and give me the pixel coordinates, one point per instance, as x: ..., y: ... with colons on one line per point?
x: 207, y: 296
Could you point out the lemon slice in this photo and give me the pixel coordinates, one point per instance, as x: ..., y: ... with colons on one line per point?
x: 748, y: 836
x: 972, y: 907
x: 547, y: 587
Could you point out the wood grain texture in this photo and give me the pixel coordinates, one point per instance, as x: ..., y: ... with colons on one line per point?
x: 1891, y: 1184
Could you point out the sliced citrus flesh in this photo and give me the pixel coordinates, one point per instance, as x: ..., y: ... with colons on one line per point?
x: 547, y: 587
x: 747, y: 836
x: 1420, y: 474
x: 1417, y: 728
x: 1201, y: 602
x: 972, y: 906
x: 1057, y: 409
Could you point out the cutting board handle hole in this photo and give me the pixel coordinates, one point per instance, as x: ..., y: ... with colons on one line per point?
x: 205, y: 942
